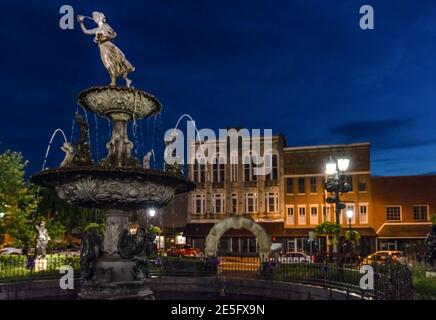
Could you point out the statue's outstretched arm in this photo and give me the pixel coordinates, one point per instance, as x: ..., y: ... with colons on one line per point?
x: 87, y: 31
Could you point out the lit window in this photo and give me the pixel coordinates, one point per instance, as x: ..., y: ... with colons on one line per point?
x: 302, y: 215
x: 218, y: 203
x: 314, y: 215
x: 363, y: 213
x: 420, y: 213
x: 272, y: 202
x: 290, y: 215
x: 199, y: 203
x: 393, y: 213
x: 250, y: 202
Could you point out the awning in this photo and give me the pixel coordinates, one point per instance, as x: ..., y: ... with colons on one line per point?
x: 404, y: 231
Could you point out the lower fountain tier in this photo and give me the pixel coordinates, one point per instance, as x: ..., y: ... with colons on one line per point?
x: 120, y: 188
x: 129, y: 290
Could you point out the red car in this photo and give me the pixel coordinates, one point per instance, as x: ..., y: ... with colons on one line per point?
x: 183, y: 251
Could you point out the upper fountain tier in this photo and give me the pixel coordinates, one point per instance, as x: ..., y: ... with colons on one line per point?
x: 119, y: 103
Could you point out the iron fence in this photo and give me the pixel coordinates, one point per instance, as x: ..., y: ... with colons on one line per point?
x: 21, y: 267
x: 391, y: 281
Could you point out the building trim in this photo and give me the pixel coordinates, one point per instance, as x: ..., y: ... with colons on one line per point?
x: 305, y: 175
x: 402, y: 224
x: 327, y: 146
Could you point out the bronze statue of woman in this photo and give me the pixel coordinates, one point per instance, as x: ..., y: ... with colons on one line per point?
x: 112, y: 57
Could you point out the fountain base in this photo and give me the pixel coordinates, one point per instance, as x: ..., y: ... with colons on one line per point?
x: 129, y: 290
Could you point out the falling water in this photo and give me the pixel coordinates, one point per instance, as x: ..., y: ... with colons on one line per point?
x: 49, y: 145
x: 74, y: 123
x: 96, y: 136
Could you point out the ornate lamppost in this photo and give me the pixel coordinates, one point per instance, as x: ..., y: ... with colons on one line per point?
x: 336, y: 184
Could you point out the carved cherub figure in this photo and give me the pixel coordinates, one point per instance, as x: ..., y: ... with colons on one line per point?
x: 69, y: 154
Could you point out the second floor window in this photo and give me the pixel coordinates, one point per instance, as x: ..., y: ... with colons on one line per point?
x: 218, y: 203
x: 393, y: 213
x: 234, y: 203
x: 313, y: 185
x: 199, y: 203
x: 218, y: 170
x: 249, y: 167
x: 199, y: 172
x: 302, y: 215
x: 290, y: 215
x: 273, y: 167
x: 362, y: 183
x: 349, y: 180
x: 250, y: 202
x: 325, y: 213
x: 272, y: 202
x: 301, y: 185
x: 290, y: 185
x: 314, y: 215
x: 420, y: 213
x: 363, y: 213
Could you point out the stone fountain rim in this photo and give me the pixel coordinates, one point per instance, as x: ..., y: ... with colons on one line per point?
x: 82, y: 93
x: 180, y: 183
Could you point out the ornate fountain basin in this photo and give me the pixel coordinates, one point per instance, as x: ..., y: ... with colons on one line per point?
x: 110, y: 102
x: 120, y: 188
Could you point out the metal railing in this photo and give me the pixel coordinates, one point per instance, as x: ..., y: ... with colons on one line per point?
x: 391, y: 281
x: 22, y: 268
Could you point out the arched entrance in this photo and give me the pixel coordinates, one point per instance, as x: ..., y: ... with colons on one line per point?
x: 213, y: 238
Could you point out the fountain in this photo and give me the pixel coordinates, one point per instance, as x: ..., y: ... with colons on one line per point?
x: 118, y: 184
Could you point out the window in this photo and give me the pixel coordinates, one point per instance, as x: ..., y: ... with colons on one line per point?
x: 349, y: 180
x: 250, y: 202
x: 289, y: 185
x: 234, y: 168
x: 420, y: 213
x: 218, y: 169
x: 314, y: 214
x: 199, y: 203
x: 326, y: 211
x: 312, y: 184
x: 249, y: 167
x: 393, y: 213
x: 218, y: 203
x: 353, y: 219
x: 200, y: 171
x: 273, y: 166
x: 290, y: 215
x: 234, y: 203
x: 363, y: 213
x: 301, y: 185
x: 301, y: 215
x: 272, y: 202
x: 362, y: 183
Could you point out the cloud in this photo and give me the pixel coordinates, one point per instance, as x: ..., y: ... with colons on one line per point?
x: 384, y: 134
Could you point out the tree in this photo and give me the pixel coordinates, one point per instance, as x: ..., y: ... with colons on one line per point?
x: 330, y: 231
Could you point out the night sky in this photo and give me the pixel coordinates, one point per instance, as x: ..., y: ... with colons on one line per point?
x: 301, y: 68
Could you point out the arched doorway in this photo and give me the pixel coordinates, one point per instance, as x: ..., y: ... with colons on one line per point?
x: 213, y: 238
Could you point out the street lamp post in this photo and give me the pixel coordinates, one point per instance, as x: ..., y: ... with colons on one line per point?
x: 336, y: 184
x: 350, y: 214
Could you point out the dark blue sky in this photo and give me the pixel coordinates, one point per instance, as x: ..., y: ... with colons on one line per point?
x: 303, y: 68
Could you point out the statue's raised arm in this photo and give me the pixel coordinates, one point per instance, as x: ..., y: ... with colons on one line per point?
x: 112, y: 57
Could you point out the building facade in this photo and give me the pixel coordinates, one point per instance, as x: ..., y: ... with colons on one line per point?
x: 290, y: 201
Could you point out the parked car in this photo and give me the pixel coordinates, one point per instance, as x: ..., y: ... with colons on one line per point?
x: 11, y: 251
x: 294, y: 257
x: 183, y: 251
x: 382, y: 257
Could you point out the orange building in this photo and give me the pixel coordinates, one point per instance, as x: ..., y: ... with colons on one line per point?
x: 389, y: 212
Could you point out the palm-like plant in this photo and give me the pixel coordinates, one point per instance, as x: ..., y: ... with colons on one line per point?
x: 330, y: 231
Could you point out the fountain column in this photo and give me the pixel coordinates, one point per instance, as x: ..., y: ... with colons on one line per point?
x: 116, y: 222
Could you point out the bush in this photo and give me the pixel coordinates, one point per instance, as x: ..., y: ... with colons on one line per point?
x: 424, y: 288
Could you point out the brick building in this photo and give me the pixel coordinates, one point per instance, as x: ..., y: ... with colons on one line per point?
x: 390, y: 212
